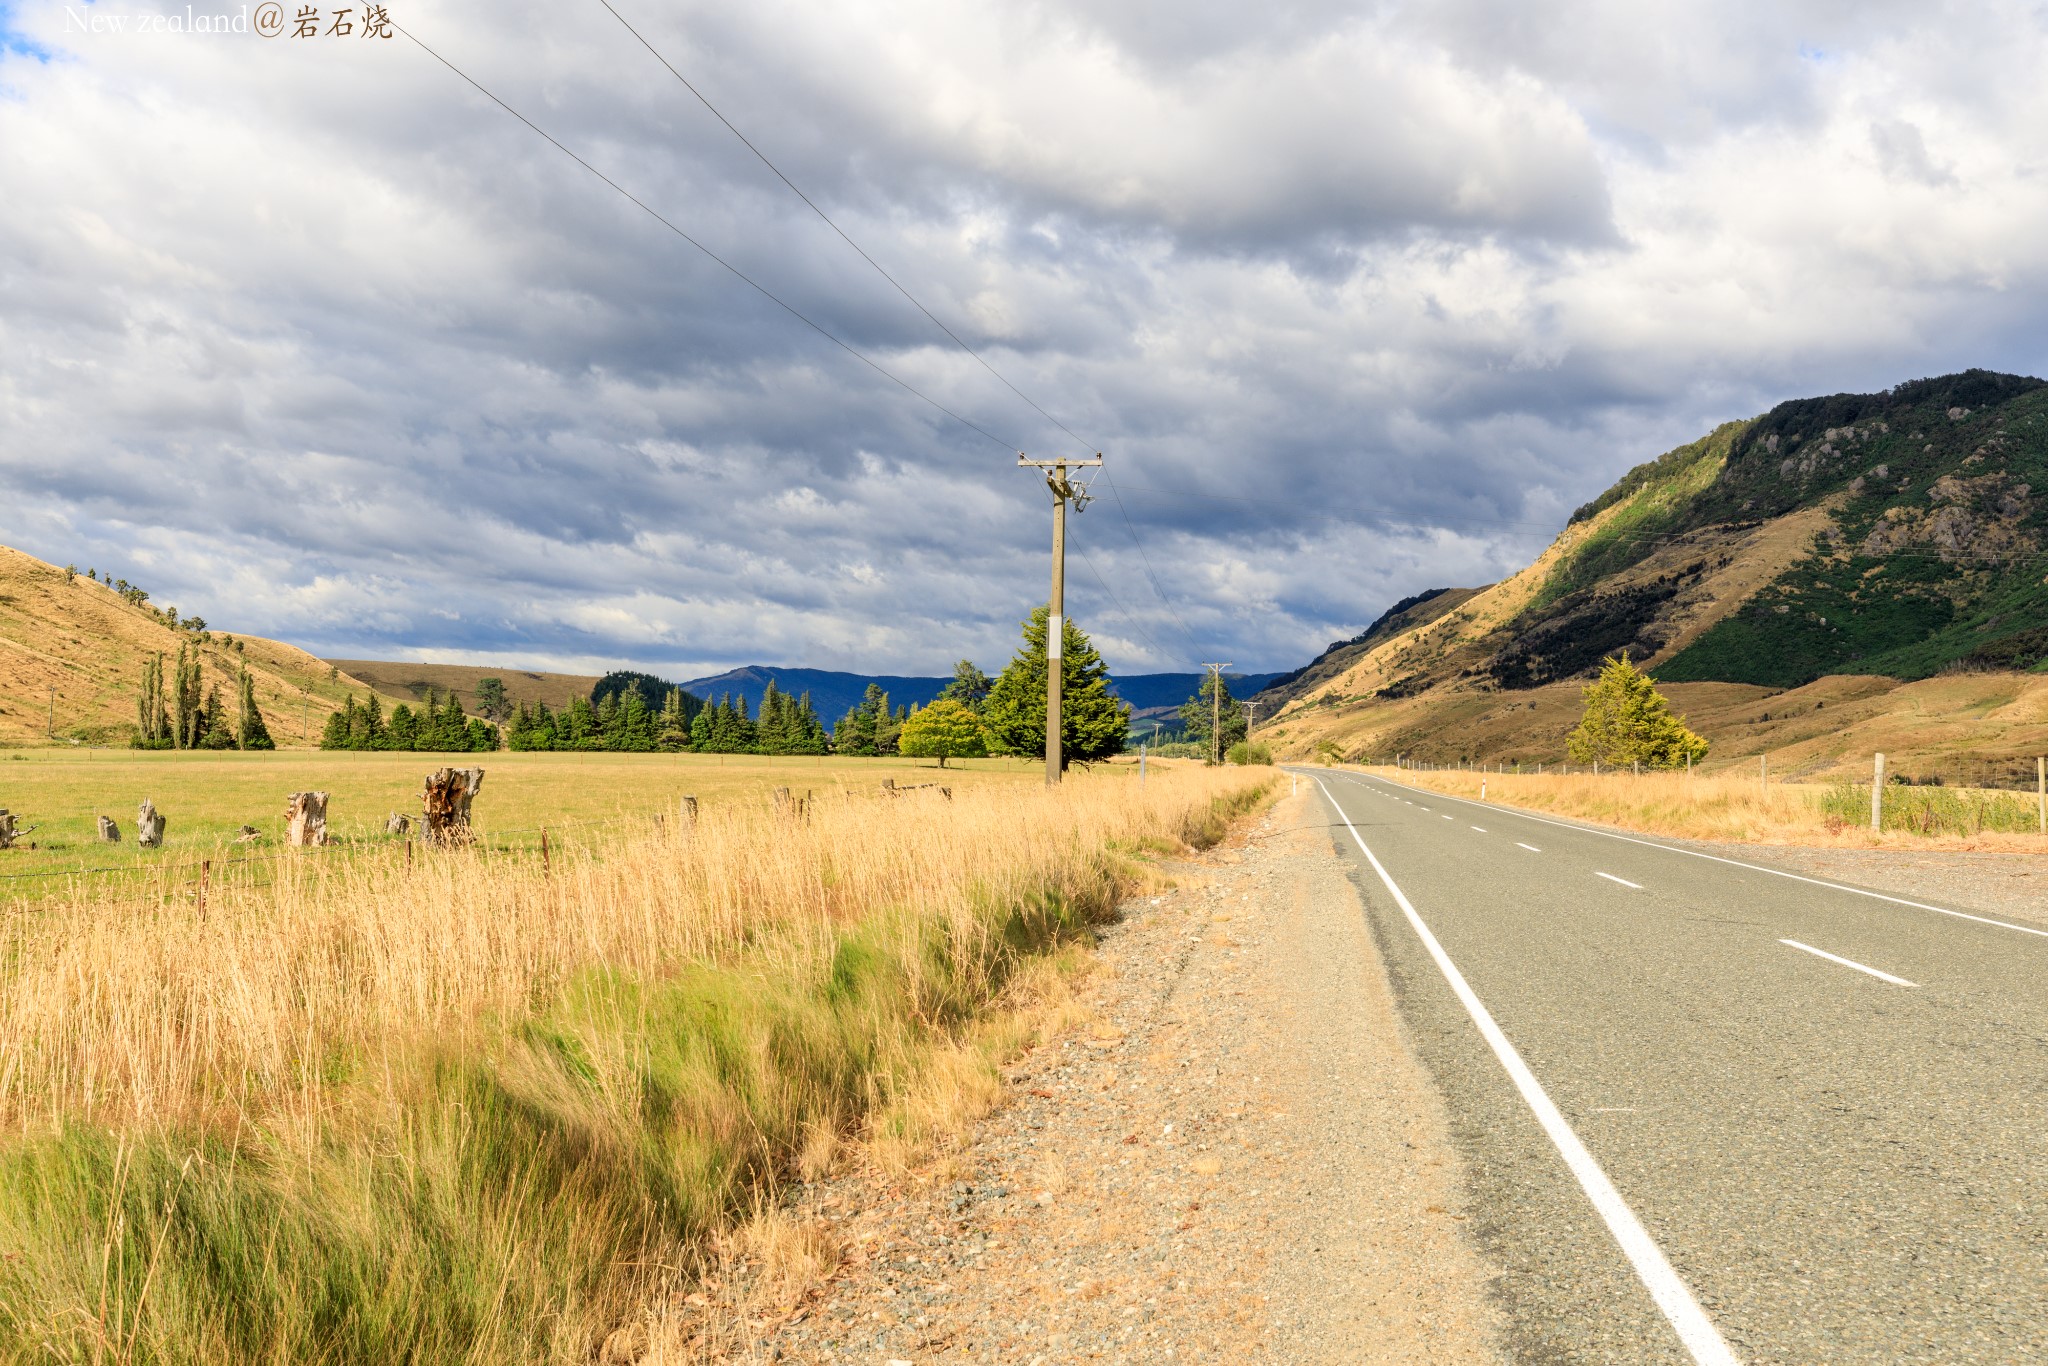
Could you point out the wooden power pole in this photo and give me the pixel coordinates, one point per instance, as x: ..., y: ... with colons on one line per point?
x: 1216, y: 709
x: 1064, y: 491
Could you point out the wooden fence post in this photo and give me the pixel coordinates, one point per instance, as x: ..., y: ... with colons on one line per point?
x: 689, y: 810
x: 110, y: 833
x: 2041, y: 790
x: 547, y: 867
x: 205, y: 877
x: 1877, y: 795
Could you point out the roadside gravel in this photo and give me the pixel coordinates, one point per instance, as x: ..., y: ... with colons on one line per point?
x: 1239, y: 1158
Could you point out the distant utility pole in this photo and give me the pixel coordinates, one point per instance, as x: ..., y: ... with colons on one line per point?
x: 1063, y: 492
x: 1216, y: 710
x: 53, y: 710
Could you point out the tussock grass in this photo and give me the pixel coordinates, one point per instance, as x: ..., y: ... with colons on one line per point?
x: 475, y: 1111
x: 1725, y: 806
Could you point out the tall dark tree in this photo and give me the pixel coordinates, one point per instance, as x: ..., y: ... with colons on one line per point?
x: 1198, y: 717
x: 251, y: 733
x: 154, y: 722
x: 969, y: 686
x: 490, y: 699
x: 1093, y: 722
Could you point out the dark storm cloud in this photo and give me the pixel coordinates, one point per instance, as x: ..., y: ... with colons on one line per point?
x: 312, y: 339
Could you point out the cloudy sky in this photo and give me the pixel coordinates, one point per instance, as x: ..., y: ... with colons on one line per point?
x: 308, y: 336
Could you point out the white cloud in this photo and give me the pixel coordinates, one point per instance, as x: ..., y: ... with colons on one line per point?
x: 328, y: 347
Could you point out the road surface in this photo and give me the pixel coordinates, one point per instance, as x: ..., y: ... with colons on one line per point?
x: 1713, y: 1112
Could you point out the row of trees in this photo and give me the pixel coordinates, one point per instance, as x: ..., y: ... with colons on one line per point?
x: 439, y: 726
x: 190, y: 714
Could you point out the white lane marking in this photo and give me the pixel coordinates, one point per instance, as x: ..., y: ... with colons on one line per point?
x: 1670, y: 1292
x: 1530, y: 847
x: 1480, y: 828
x: 1622, y: 880
x: 1757, y: 868
x: 1847, y: 963
x: 1446, y: 817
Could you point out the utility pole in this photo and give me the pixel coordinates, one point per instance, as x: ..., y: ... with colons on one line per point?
x: 1063, y: 492
x: 53, y: 710
x: 1216, y: 709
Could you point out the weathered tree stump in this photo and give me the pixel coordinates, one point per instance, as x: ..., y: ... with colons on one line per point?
x: 446, y: 799
x: 398, y: 824
x: 110, y: 833
x: 249, y: 835
x: 305, y: 819
x: 149, y: 826
x: 10, y: 831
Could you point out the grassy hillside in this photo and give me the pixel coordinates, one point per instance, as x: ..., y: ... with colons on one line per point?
x: 66, y: 637
x: 1895, y: 536
x: 407, y: 681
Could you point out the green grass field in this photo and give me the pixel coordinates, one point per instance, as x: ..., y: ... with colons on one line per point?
x: 206, y: 798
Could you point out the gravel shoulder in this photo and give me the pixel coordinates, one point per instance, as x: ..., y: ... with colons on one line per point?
x: 1238, y: 1158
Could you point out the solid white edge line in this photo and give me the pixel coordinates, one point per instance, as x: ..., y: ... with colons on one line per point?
x: 1738, y: 863
x: 1848, y: 963
x: 1622, y: 880
x: 1655, y: 1271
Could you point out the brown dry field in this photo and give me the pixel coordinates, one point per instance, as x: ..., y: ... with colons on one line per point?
x: 408, y: 681
x: 1965, y: 728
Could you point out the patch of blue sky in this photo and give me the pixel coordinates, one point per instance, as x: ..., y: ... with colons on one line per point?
x: 20, y: 44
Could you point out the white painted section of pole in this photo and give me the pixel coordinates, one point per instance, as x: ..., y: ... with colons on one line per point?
x: 1877, y: 794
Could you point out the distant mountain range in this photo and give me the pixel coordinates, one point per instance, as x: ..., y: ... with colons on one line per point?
x: 834, y: 693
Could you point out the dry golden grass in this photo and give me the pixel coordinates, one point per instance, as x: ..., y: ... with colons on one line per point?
x: 468, y: 1108
x: 1741, y: 809
x: 81, y: 639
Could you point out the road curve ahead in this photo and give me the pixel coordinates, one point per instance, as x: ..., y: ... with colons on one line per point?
x: 1711, y: 1112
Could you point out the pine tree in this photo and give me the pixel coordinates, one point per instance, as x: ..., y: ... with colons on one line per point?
x: 251, y: 733
x: 1198, y: 716
x: 215, y: 731
x: 700, y: 732
x: 969, y: 686
x: 336, y: 732
x: 1093, y: 722
x: 402, y: 731
x: 1627, y: 721
x: 672, y: 727
x: 860, y: 730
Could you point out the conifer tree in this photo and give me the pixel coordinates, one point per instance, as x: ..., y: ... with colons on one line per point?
x: 1198, y: 717
x: 672, y: 727
x: 251, y: 733
x: 402, y: 731
x: 335, y: 734
x: 700, y: 732
x: 1093, y: 722
x: 1627, y: 721
x: 969, y: 686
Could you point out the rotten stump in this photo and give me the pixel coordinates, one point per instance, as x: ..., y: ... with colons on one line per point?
x: 110, y: 833
x: 305, y: 819
x: 149, y: 826
x: 445, y: 800
x: 10, y: 831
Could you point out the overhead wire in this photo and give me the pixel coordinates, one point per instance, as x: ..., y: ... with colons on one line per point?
x: 1130, y: 526
x: 734, y: 270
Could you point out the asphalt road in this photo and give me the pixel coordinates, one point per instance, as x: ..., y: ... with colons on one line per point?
x: 1839, y: 1166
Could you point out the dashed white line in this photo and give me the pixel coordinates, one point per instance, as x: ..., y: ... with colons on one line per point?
x: 1530, y: 847
x: 1622, y: 880
x: 1666, y: 1287
x: 1759, y: 868
x: 1446, y: 817
x: 1480, y: 828
x: 1847, y: 963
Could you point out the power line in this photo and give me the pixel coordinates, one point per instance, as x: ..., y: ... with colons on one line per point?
x: 827, y: 219
x: 1129, y: 526
x: 734, y: 270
